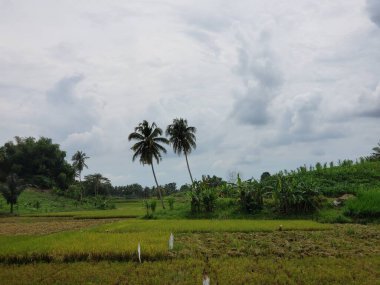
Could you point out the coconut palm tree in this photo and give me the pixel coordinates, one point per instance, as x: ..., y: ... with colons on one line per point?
x: 148, y: 147
x: 182, y: 138
x: 79, y: 162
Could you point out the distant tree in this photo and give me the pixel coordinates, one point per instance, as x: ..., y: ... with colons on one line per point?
x: 264, y: 176
x: 97, y: 183
x: 12, y: 189
x: 376, y: 152
x: 182, y: 138
x: 79, y: 162
x: 170, y: 188
x: 185, y: 188
x: 134, y: 190
x: 212, y: 181
x: 148, y: 147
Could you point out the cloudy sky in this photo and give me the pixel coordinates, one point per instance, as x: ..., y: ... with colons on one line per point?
x: 269, y: 85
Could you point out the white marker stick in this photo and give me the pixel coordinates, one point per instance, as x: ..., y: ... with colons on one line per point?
x: 171, y: 241
x: 139, y: 251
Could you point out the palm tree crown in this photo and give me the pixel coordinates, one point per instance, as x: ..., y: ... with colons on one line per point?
x: 182, y: 138
x: 148, y: 143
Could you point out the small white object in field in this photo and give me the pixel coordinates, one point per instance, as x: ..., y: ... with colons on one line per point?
x: 280, y: 228
x: 336, y: 203
x: 139, y: 251
x: 171, y: 241
x: 206, y: 280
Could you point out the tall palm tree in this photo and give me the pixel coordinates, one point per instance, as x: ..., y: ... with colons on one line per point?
x: 148, y: 147
x: 182, y: 138
x: 79, y: 162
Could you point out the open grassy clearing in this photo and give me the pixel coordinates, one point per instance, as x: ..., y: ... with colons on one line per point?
x: 307, y: 271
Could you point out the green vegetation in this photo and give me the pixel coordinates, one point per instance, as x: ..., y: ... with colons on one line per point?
x: 37, y: 162
x: 346, y: 177
x: 366, y: 205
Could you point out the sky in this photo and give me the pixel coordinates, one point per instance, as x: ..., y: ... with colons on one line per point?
x: 269, y: 85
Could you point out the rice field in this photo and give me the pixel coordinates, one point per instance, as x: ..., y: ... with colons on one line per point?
x: 180, y: 226
x: 231, y: 252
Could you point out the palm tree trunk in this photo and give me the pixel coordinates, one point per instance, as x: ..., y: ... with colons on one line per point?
x: 81, y: 186
x: 158, y: 187
x: 187, y: 162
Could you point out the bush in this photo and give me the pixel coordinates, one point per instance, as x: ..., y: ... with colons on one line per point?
x: 366, y: 205
x: 171, y: 203
x: 153, y: 205
x: 296, y: 196
x: 203, y: 197
x: 150, y: 207
x: 74, y: 191
x: 209, y: 197
x: 251, y: 195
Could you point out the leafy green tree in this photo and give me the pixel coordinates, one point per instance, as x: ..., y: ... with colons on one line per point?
x: 12, y: 189
x: 38, y: 162
x: 97, y: 184
x: 79, y: 162
x: 182, y: 138
x: 148, y: 147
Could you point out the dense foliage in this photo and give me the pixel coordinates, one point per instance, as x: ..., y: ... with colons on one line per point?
x: 366, y: 205
x: 38, y: 162
x: 345, y: 177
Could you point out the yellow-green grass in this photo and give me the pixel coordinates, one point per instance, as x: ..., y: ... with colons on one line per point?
x: 179, y: 226
x: 308, y: 271
x: 82, y: 245
x: 118, y: 240
x: 123, y: 210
